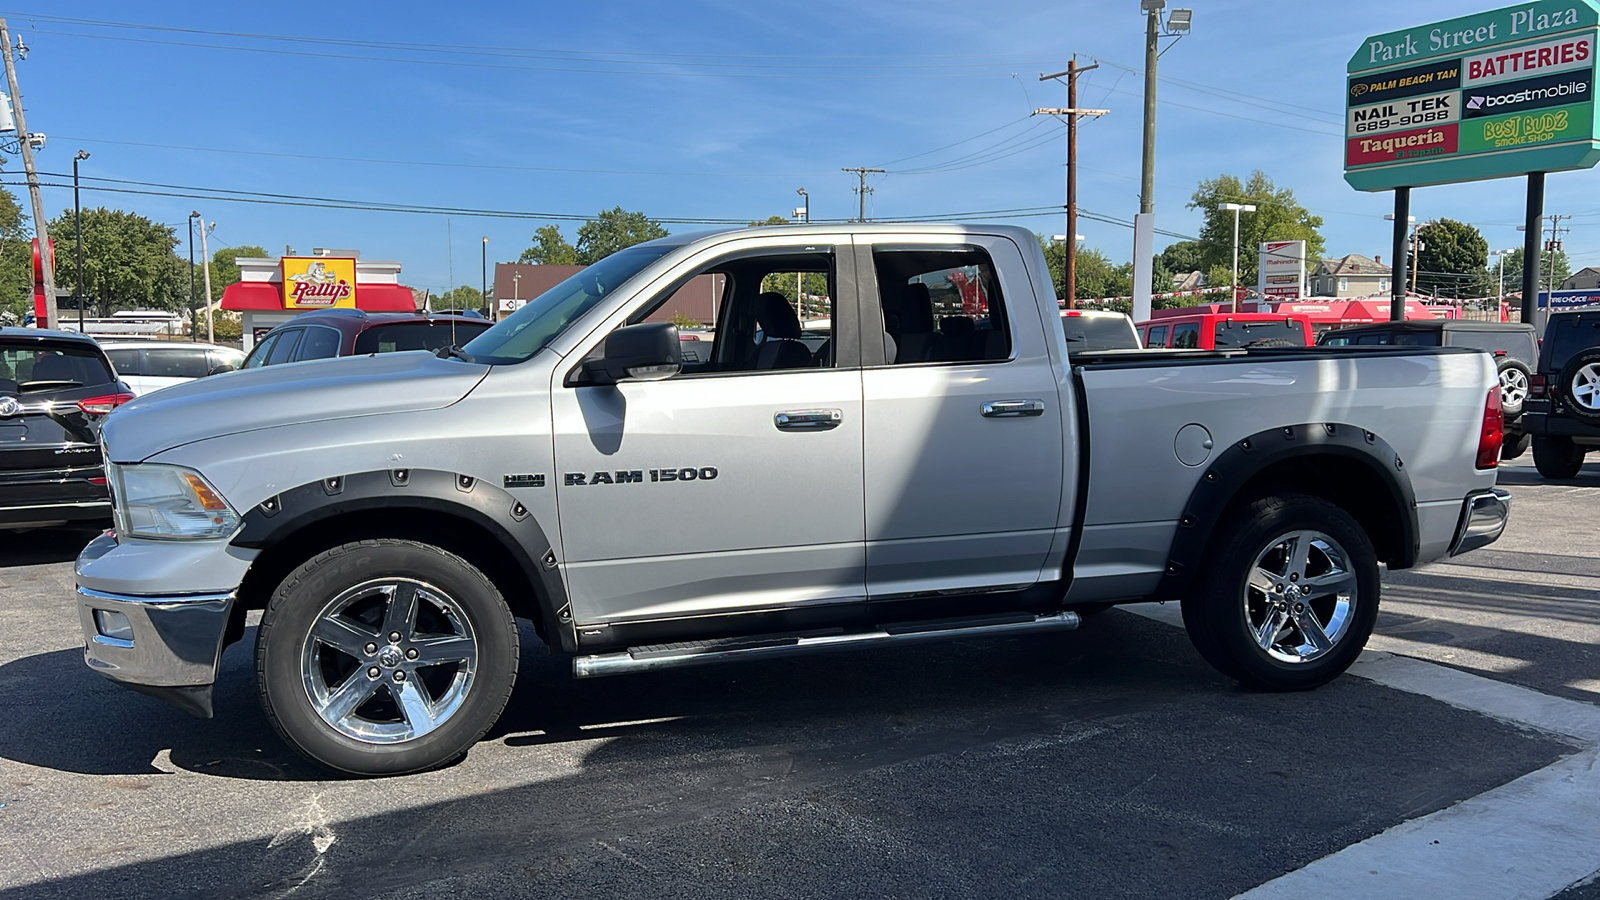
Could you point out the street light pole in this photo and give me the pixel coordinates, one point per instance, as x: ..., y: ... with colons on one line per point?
x: 1236, y: 209
x: 494, y: 308
x: 194, y: 315
x: 77, y: 222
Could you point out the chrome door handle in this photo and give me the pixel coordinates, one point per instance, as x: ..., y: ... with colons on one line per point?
x: 1012, y: 409
x: 808, y: 419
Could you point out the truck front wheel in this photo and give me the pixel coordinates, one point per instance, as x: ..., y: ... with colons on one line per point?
x: 1289, y: 595
x: 382, y: 657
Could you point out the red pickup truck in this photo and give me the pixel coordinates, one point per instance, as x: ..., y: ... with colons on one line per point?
x: 1221, y: 331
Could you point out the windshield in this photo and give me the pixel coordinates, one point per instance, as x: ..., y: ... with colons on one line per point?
x: 431, y: 335
x: 38, y: 366
x: 1283, y: 333
x: 530, y: 329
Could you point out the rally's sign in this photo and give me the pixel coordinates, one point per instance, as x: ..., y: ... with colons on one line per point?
x: 318, y: 282
x: 1483, y: 96
x: 1282, y: 270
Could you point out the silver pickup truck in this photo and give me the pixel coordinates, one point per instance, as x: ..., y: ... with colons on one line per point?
x: 941, y: 465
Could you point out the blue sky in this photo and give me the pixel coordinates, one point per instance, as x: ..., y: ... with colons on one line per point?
x: 705, y: 109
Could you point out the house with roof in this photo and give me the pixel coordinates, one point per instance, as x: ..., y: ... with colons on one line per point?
x: 1583, y: 280
x: 1350, y: 276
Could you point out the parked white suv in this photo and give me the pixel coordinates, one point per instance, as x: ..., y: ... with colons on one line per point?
x: 146, y: 366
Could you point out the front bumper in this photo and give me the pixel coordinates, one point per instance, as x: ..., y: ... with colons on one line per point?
x: 1483, y: 520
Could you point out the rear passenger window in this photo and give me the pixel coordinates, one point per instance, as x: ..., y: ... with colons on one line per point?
x: 126, y: 362
x: 176, y: 362
x: 283, y: 350
x: 1186, y: 337
x: 1157, y: 337
x: 941, y: 306
x: 1376, y: 337
x: 319, y: 343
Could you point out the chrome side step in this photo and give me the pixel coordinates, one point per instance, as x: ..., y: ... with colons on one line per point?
x: 701, y: 653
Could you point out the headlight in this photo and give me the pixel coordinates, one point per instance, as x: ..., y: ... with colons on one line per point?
x: 169, y: 503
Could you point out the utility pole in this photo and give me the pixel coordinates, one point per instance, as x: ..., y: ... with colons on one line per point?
x: 194, y: 313
x: 40, y: 231
x: 205, y: 272
x: 77, y: 224
x: 1417, y: 246
x: 861, y: 191
x: 494, y: 313
x: 1179, y: 22
x: 1554, y: 247
x: 1072, y: 112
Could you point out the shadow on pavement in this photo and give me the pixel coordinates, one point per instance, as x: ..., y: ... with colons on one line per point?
x: 1115, y: 763
x: 42, y: 547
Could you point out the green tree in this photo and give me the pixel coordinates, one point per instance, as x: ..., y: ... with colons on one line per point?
x: 225, y: 266
x: 550, y: 248
x: 1453, y: 261
x: 1513, y: 270
x: 772, y: 220
x: 463, y: 297
x: 1183, y: 257
x: 1096, y: 275
x: 612, y: 230
x: 128, y: 262
x: 1278, y: 217
x: 16, y: 258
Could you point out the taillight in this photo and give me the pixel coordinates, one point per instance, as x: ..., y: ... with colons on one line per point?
x: 1494, y: 431
x: 99, y: 406
x: 1538, y: 388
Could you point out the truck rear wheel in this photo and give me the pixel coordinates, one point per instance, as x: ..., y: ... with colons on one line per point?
x: 1289, y: 596
x: 382, y: 657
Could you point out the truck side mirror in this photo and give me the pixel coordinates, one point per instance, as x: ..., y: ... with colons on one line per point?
x: 644, y: 352
x: 224, y: 367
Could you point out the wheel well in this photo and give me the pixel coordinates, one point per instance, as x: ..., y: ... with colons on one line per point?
x: 456, y: 534
x: 1354, y: 486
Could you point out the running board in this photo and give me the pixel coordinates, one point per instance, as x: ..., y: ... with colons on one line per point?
x: 701, y: 653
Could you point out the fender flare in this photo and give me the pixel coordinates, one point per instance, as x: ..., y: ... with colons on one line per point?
x: 492, y: 508
x: 1227, y: 475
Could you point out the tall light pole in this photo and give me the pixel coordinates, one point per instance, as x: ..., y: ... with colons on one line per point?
x: 806, y: 211
x: 803, y: 213
x: 494, y: 308
x: 516, y: 282
x: 1236, y: 209
x: 1177, y: 25
x: 194, y: 314
x: 205, y: 274
x: 1500, y: 277
x: 77, y: 222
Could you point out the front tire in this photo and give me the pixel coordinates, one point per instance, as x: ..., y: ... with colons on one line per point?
x: 383, y: 657
x: 1557, y: 457
x: 1289, y: 595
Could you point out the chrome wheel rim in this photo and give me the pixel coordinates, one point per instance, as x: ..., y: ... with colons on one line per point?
x: 1586, y: 387
x: 1513, y: 389
x: 389, y: 660
x: 1300, y: 596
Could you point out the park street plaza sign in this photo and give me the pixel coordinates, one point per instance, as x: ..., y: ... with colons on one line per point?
x: 319, y: 282
x: 1490, y: 95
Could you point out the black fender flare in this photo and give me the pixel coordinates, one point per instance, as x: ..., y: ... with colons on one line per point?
x: 490, y: 507
x: 1227, y: 475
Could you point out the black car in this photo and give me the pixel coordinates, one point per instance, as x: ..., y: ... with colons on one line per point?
x: 1515, y: 348
x: 55, y: 388
x: 1564, y: 398
x: 327, y: 333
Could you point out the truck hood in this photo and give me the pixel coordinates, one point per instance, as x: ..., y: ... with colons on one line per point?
x: 294, y: 393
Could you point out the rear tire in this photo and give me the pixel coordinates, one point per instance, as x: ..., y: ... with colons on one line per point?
x: 1557, y: 457
x: 1515, y: 446
x: 1289, y: 595
x: 383, y: 657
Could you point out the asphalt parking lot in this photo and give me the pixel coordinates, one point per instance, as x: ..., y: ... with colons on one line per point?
x: 1107, y: 762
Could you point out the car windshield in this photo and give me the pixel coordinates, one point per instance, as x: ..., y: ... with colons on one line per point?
x: 1242, y: 334
x: 1086, y: 333
x: 430, y: 335
x: 530, y: 329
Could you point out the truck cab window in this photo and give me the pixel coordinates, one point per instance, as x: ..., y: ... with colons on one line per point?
x: 1186, y: 337
x: 941, y: 306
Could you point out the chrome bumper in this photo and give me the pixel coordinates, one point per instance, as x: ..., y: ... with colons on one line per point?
x: 171, y: 648
x: 1483, y: 519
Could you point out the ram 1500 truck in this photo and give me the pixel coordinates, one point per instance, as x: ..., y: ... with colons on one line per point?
x: 942, y: 465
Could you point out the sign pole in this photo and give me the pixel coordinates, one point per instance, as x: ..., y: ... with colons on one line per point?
x: 1531, y: 250
x: 1397, y: 275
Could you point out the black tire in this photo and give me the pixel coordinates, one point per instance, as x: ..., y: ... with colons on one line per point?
x: 1513, y: 377
x: 355, y: 592
x: 1515, y: 445
x: 1220, y: 613
x: 1557, y: 457
x: 1578, y: 385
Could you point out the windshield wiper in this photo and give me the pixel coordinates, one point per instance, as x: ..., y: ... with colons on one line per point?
x: 453, y: 352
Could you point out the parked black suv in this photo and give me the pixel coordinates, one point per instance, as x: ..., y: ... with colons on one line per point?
x: 54, y: 389
x: 1515, y: 348
x: 1564, y: 396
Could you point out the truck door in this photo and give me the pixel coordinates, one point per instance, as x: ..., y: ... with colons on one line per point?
x: 964, y: 440
x: 735, y: 485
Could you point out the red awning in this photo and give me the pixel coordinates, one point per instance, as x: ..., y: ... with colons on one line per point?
x: 267, y: 295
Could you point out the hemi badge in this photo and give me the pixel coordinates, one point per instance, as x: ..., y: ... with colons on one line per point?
x: 515, y: 481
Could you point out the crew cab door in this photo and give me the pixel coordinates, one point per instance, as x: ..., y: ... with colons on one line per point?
x: 964, y: 439
x: 735, y: 485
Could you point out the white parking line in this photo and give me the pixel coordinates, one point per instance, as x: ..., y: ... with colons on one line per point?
x: 1531, y: 838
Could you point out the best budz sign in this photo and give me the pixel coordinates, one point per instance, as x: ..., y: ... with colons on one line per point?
x: 1485, y: 96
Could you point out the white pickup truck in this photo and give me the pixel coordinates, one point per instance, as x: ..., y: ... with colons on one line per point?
x: 941, y: 465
